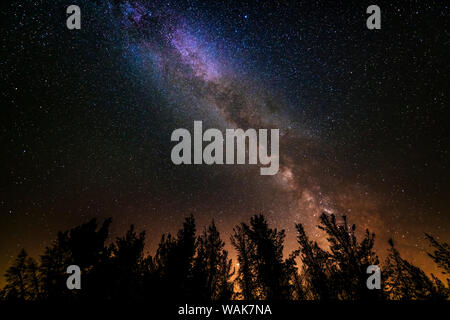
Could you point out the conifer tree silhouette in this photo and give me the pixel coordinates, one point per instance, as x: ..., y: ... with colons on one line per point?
x: 339, y: 273
x: 350, y: 258
x: 264, y: 274
x: 173, y: 262
x: 22, y: 279
x: 124, y: 268
x: 83, y: 246
x: 245, y: 249
x: 440, y: 255
x: 404, y: 281
x: 316, y: 269
x: 212, y: 268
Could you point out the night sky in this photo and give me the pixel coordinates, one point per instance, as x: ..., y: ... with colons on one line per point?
x: 87, y: 117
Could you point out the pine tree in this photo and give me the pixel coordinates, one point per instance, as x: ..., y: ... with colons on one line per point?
x: 441, y: 254
x: 350, y: 258
x: 34, y: 276
x: 212, y: 268
x: 173, y: 261
x: 340, y: 272
x: 22, y: 279
x: 83, y: 246
x: 405, y: 281
x: 273, y: 273
x: 264, y: 274
x: 246, y: 251
x: 316, y: 269
x: 127, y: 266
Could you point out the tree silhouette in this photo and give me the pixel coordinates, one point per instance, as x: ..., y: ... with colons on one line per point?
x: 83, y: 246
x: 173, y: 261
x: 261, y: 251
x: 405, y: 281
x: 128, y: 259
x: 22, y: 279
x: 245, y: 250
x: 349, y: 258
x: 340, y: 272
x: 33, y: 277
x: 119, y: 276
x: 212, y: 268
x: 316, y: 269
x: 440, y: 255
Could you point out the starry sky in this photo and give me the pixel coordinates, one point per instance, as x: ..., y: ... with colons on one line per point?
x: 87, y: 117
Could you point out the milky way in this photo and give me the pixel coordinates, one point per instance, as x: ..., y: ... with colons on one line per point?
x: 360, y: 113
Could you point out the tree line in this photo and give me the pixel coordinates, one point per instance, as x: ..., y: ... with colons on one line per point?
x: 187, y: 266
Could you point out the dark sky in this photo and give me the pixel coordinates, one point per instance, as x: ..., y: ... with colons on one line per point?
x: 87, y: 117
